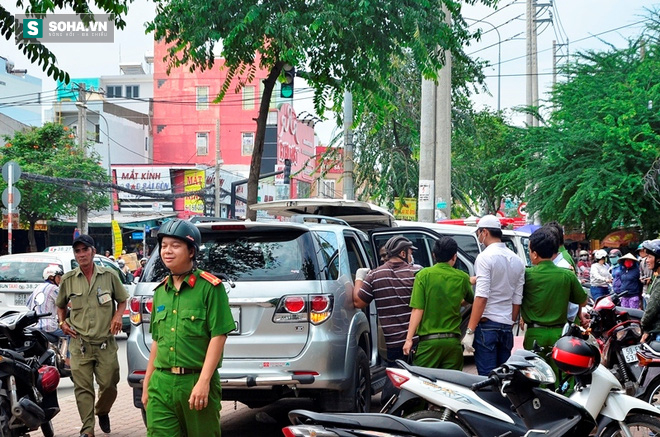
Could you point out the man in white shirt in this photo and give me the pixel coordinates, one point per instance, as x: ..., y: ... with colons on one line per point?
x: 500, y: 276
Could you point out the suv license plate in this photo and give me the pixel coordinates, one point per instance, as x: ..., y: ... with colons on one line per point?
x: 630, y: 353
x: 236, y: 314
x: 20, y: 299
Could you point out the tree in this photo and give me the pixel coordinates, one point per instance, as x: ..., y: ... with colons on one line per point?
x: 586, y: 167
x: 483, y: 148
x: 41, y: 53
x: 339, y: 44
x: 51, y: 150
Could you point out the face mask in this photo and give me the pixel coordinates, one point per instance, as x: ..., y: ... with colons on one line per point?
x: 628, y: 263
x: 614, y: 259
x: 583, y: 258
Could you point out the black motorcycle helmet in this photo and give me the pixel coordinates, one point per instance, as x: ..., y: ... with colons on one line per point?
x: 652, y: 247
x: 396, y: 244
x: 575, y: 356
x: 182, y: 230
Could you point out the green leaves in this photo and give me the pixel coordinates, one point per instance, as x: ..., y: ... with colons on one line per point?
x: 586, y: 167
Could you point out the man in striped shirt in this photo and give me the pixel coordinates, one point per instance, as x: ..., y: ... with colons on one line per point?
x: 390, y: 285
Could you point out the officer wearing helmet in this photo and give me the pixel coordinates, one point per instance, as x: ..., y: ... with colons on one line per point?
x: 651, y: 319
x: 600, y: 275
x: 42, y: 300
x: 189, y: 325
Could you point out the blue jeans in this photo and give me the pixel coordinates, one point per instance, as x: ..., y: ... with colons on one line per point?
x: 492, y: 345
x: 598, y: 292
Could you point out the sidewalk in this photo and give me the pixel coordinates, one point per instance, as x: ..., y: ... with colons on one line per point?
x: 125, y: 419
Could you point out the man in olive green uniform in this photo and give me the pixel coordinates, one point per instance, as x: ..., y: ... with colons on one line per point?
x: 189, y: 325
x: 547, y: 291
x: 92, y: 292
x: 437, y: 296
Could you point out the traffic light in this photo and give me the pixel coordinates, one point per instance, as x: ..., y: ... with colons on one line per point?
x: 286, y: 91
x: 287, y: 171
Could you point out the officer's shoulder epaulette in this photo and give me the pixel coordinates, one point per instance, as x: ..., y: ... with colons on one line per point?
x: 210, y: 278
x: 163, y: 282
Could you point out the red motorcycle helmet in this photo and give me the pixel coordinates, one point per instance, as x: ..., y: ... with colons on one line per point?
x: 575, y: 356
x: 49, y: 379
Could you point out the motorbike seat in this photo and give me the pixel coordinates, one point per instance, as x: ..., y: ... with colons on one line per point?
x: 452, y: 376
x: 16, y: 356
x: 653, y: 347
x: 378, y: 422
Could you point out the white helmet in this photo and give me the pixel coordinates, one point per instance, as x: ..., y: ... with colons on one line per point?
x: 52, y: 270
x: 600, y: 254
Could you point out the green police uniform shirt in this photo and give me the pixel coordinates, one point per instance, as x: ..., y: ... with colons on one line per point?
x: 439, y: 291
x: 546, y: 294
x: 184, y: 321
x: 93, y: 302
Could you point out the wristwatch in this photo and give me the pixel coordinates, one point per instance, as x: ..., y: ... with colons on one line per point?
x: 468, y: 331
x: 61, y: 323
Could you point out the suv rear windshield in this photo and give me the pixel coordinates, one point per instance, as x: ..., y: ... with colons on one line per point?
x: 250, y: 255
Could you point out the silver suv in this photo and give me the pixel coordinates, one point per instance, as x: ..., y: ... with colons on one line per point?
x: 290, y: 289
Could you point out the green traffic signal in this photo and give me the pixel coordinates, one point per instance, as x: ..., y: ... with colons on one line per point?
x: 286, y: 91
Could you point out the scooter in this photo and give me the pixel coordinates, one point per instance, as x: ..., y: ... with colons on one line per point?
x: 28, y: 380
x: 619, y: 332
x: 468, y: 400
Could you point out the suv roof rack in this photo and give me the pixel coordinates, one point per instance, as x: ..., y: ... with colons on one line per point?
x: 315, y: 218
x: 203, y: 219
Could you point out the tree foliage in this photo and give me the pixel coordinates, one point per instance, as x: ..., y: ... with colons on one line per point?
x: 40, y: 53
x: 586, y: 167
x: 339, y: 44
x: 51, y: 150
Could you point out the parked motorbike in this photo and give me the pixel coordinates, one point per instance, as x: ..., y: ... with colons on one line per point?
x: 28, y: 378
x: 471, y: 402
x: 618, y: 332
x: 311, y: 424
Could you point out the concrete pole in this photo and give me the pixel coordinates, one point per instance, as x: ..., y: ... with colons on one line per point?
x: 554, y: 63
x: 529, y: 15
x: 443, y: 138
x: 349, y: 189
x: 426, y: 195
x: 82, y: 134
x: 218, y: 163
x: 535, y: 65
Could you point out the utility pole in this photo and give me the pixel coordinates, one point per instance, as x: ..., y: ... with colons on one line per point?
x: 218, y: 163
x: 82, y: 134
x: 348, y: 186
x: 435, y: 144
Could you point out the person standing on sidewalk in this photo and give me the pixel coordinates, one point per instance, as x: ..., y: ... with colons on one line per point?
x: 500, y: 275
x: 548, y: 290
x: 92, y: 292
x: 189, y: 325
x: 437, y: 296
x: 390, y: 285
x: 600, y: 276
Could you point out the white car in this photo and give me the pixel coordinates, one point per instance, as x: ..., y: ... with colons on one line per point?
x: 21, y: 273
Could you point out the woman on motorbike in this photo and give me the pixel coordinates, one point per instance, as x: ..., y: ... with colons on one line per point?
x: 600, y: 275
x: 651, y: 319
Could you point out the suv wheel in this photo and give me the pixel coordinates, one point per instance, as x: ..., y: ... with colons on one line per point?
x: 357, y: 398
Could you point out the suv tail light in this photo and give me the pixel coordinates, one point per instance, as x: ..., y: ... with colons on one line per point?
x: 315, y: 308
x: 140, y: 308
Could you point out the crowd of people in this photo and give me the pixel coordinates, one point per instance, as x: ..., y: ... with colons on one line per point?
x: 419, y: 309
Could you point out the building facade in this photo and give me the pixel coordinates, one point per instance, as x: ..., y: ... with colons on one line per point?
x: 20, y: 94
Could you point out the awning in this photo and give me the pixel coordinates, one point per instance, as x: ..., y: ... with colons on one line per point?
x: 620, y: 238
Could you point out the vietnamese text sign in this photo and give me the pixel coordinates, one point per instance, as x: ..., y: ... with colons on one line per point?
x: 195, y: 180
x: 64, y: 28
x: 406, y: 210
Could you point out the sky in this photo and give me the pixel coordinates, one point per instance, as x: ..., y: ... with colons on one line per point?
x: 585, y: 24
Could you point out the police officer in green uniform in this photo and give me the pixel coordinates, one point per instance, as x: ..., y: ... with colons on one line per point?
x: 547, y: 291
x: 190, y: 321
x: 92, y: 292
x: 437, y: 295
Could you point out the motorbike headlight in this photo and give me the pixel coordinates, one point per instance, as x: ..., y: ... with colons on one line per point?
x: 539, y: 371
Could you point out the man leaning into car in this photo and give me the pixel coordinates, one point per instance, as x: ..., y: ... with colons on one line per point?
x: 92, y: 291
